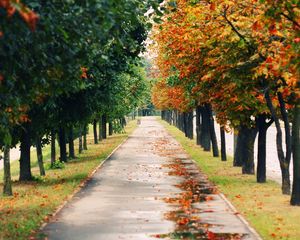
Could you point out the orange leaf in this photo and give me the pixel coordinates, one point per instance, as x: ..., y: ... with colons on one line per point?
x: 212, y: 6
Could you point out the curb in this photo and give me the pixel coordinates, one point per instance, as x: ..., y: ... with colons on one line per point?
x: 80, y: 186
x: 240, y: 217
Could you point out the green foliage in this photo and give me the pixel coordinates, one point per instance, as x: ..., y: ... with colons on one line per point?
x: 57, y: 165
x: 117, y: 127
x: 42, y: 70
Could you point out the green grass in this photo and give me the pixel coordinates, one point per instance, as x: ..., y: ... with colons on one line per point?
x: 263, y: 205
x: 34, y: 202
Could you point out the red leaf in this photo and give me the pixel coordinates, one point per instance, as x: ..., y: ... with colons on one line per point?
x: 211, y: 235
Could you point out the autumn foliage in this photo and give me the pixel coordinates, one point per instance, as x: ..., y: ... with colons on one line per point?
x: 227, y: 52
x: 13, y: 6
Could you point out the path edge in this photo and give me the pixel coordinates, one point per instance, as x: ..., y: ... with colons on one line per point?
x: 229, y: 204
x: 80, y: 187
x: 240, y: 217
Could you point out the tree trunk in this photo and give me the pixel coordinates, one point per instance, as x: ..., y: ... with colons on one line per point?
x: 7, y: 188
x: 25, y: 169
x: 71, y: 143
x: 80, y: 147
x: 205, y: 133
x: 283, y: 160
x: 103, y: 127
x: 198, y: 125
x: 180, y: 124
x: 39, y: 154
x: 223, y: 144
x: 248, y: 158
x: 84, y: 138
x: 176, y: 118
x: 95, y: 131
x: 238, y: 153
x: 295, y: 199
x: 235, y: 136
x: 53, y: 147
x: 244, y: 153
x: 261, y: 151
x: 121, y: 122
x: 212, y: 131
x: 184, y: 124
x: 261, y: 156
x: 190, y: 125
x: 100, y: 126
x: 110, y: 128
x: 62, y: 144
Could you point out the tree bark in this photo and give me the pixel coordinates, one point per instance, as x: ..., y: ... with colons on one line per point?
x: 283, y: 160
x: 295, y: 199
x: 244, y: 154
x: 39, y: 153
x: 261, y: 156
x: 25, y: 168
x: 248, y: 161
x: 110, y: 128
x: 235, y: 137
x: 261, y: 151
x: 7, y: 188
x: 84, y: 138
x: 185, y: 124
x: 205, y: 133
x: 53, y: 147
x: 103, y: 127
x: 223, y: 144
x: 212, y: 131
x: 62, y: 144
x: 198, y: 125
x: 100, y: 126
x: 95, y: 131
x: 190, y: 125
x: 238, y: 153
x: 80, y: 146
x: 176, y: 118
x: 180, y: 121
x: 288, y: 137
x: 123, y: 122
x: 71, y: 143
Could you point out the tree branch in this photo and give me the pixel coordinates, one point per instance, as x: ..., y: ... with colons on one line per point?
x: 251, y: 49
x: 233, y: 27
x: 290, y: 19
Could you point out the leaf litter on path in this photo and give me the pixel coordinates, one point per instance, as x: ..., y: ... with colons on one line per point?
x: 195, y: 188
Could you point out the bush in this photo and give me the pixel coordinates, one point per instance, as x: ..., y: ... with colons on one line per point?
x: 57, y: 165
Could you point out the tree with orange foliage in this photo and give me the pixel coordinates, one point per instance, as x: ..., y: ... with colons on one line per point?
x: 280, y: 72
x: 234, y: 54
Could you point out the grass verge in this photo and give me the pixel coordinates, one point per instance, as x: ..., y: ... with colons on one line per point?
x: 263, y: 205
x: 34, y: 202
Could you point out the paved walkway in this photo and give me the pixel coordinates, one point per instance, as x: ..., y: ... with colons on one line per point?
x: 148, y: 189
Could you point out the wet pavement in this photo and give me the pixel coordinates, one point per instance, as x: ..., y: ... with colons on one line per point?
x: 148, y: 189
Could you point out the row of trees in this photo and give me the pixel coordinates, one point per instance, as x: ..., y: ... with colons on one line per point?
x: 65, y: 64
x: 240, y: 60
